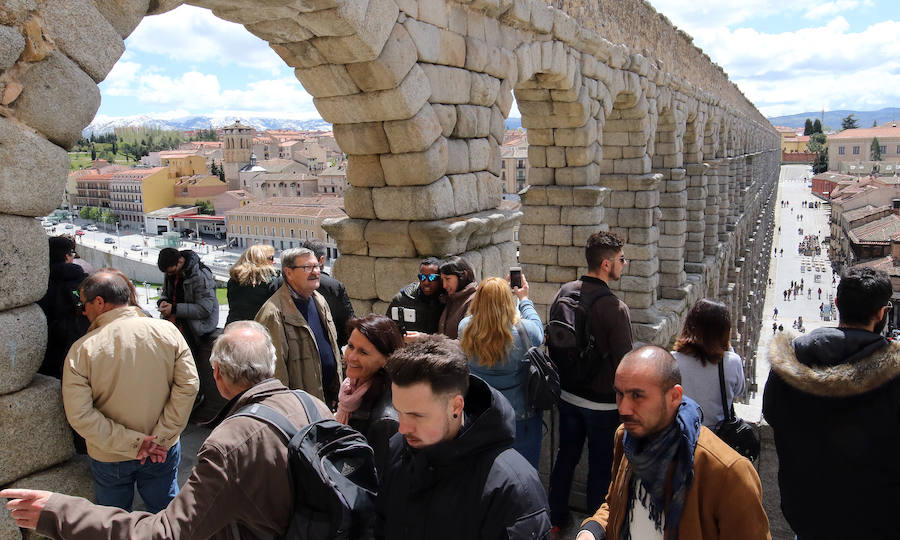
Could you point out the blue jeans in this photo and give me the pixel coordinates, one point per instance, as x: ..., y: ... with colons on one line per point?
x: 528, y: 439
x: 156, y: 482
x: 576, y: 424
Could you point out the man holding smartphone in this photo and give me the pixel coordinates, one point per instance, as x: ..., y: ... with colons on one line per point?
x: 417, y: 307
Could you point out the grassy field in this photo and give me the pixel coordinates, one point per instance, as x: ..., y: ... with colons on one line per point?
x: 82, y: 160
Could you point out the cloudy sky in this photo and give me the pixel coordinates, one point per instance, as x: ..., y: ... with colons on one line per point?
x: 786, y: 56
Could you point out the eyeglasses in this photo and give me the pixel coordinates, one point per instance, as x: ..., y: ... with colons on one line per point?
x: 271, y: 258
x: 429, y: 277
x: 306, y: 267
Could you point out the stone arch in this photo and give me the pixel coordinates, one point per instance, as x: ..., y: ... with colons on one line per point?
x: 668, y: 162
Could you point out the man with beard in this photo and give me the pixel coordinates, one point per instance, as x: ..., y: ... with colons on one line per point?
x: 422, y: 296
x: 302, y: 329
x: 833, y: 401
x: 452, y: 472
x: 672, y: 477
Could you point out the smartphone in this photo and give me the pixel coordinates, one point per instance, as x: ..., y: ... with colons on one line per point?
x: 515, y: 276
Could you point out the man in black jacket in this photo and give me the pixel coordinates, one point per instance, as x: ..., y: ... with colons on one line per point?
x: 451, y: 471
x: 334, y: 292
x: 587, y: 406
x: 833, y: 401
x: 423, y: 297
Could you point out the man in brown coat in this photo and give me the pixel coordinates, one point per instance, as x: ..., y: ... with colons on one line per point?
x: 240, y: 487
x: 672, y: 477
x: 302, y: 329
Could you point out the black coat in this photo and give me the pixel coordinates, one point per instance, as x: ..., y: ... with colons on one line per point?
x: 245, y: 300
x: 65, y: 324
x: 339, y: 303
x: 376, y: 418
x: 833, y: 401
x: 474, y: 487
x: 428, y: 308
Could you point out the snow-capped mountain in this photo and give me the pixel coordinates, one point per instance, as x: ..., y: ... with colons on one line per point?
x: 106, y: 124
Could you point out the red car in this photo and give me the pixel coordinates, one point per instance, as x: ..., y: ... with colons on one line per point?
x: 79, y: 232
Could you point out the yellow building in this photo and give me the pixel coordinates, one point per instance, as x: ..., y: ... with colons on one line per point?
x: 181, y: 163
x: 190, y: 190
x: 134, y: 192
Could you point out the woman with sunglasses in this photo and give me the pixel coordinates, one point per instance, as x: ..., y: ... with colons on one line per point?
x: 458, y: 278
x: 253, y: 279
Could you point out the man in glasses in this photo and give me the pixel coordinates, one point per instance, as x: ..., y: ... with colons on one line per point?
x: 417, y: 307
x: 833, y: 401
x: 334, y: 292
x: 302, y: 329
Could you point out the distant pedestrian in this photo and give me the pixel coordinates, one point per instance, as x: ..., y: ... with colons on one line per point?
x: 774, y: 328
x: 820, y: 293
x: 776, y: 314
x: 808, y: 294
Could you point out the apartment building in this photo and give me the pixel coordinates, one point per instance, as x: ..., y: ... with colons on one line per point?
x: 134, y: 192
x: 283, y: 222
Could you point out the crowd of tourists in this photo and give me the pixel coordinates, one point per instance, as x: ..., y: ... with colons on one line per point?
x: 434, y: 413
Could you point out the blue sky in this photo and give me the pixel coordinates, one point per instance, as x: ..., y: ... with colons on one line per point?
x: 786, y: 56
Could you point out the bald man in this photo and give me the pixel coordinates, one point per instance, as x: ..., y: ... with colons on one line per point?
x: 672, y: 476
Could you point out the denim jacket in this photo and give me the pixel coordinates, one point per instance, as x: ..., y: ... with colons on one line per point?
x: 510, y: 375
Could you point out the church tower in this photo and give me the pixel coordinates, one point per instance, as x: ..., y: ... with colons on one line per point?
x: 238, y: 143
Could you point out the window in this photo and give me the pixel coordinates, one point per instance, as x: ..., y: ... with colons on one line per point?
x: 841, y: 150
x: 898, y: 148
x: 502, y: 163
x: 882, y: 149
x: 520, y: 164
x: 855, y: 150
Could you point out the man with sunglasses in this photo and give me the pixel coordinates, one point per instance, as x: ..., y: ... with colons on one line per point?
x: 418, y: 305
x: 302, y: 329
x: 833, y: 401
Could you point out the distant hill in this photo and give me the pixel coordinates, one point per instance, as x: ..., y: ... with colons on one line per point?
x: 833, y: 118
x: 106, y: 124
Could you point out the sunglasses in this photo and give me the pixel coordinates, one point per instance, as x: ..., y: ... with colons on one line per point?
x: 429, y: 277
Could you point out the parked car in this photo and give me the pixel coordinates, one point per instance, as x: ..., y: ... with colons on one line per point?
x: 70, y: 226
x: 79, y: 232
x: 135, y: 247
x: 109, y: 240
x: 91, y: 227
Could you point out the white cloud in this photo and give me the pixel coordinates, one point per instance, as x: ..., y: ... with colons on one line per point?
x: 829, y: 9
x: 191, y: 34
x: 710, y: 14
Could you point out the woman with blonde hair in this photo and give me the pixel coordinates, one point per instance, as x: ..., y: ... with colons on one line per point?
x: 253, y: 279
x: 501, y: 326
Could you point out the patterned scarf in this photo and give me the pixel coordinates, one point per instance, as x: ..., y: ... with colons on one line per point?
x: 650, y: 460
x: 350, y: 397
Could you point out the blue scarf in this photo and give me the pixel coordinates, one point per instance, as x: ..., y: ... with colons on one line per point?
x: 650, y: 460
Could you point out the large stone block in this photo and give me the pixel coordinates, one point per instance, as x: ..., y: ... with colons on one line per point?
x: 479, y: 154
x: 448, y: 84
x: 465, y: 193
x: 123, y: 16
x: 23, y: 247
x: 582, y: 215
x: 369, y: 34
x: 420, y: 203
x: 358, y: 276
x: 558, y: 235
x: 23, y: 333
x: 12, y: 43
x: 349, y: 234
x: 396, y: 104
x: 32, y: 172
x: 541, y: 215
x: 326, y: 80
x: 35, y: 420
x: 453, y: 49
x: 362, y: 138
x: 364, y: 171
x: 358, y: 202
x: 391, y: 66
x: 280, y: 31
x: 446, y: 116
x: 490, y: 190
x: 415, y: 134
x: 492, y: 263
x: 440, y: 238
x: 58, y: 99
x: 389, y: 239
x: 392, y: 274
x: 416, y: 168
x: 83, y: 34
x: 578, y: 176
x: 299, y: 53
x: 484, y: 90
x: 538, y: 254
x: 590, y: 195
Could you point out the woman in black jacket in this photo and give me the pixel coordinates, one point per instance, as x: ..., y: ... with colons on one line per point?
x: 364, y: 401
x: 254, y: 279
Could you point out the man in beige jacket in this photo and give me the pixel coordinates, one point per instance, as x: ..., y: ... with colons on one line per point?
x: 128, y: 386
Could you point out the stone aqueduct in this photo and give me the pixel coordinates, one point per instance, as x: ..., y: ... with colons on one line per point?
x: 631, y: 128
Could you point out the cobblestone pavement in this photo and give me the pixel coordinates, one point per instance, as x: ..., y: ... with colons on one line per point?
x: 792, y: 266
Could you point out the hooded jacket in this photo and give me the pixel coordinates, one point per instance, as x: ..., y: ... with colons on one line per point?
x: 474, y: 486
x: 199, y: 310
x: 833, y: 401
x: 428, y: 308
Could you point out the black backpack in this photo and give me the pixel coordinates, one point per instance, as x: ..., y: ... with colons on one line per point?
x: 572, y: 348
x: 332, y: 471
x: 543, y: 387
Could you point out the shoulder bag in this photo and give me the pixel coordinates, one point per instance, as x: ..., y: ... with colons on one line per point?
x: 735, y: 432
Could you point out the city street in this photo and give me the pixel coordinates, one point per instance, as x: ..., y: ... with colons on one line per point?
x: 815, y: 271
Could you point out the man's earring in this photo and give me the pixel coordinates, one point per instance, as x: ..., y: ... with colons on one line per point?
x: 455, y: 415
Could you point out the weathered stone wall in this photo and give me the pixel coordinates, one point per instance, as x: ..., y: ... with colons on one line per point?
x: 631, y: 129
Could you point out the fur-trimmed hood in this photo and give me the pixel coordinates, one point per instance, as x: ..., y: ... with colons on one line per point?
x: 857, y: 374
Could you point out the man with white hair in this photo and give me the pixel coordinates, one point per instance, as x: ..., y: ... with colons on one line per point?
x: 302, y: 329
x: 240, y: 487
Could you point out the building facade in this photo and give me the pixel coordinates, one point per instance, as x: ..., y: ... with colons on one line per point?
x: 134, y: 192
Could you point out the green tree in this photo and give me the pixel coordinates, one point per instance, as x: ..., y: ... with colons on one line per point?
x: 807, y: 127
x: 93, y: 153
x: 84, y: 212
x: 817, y: 144
x: 876, y: 150
x: 94, y: 214
x: 874, y: 123
x: 205, y: 208
x: 817, y: 126
x: 107, y: 216
x: 849, y: 122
